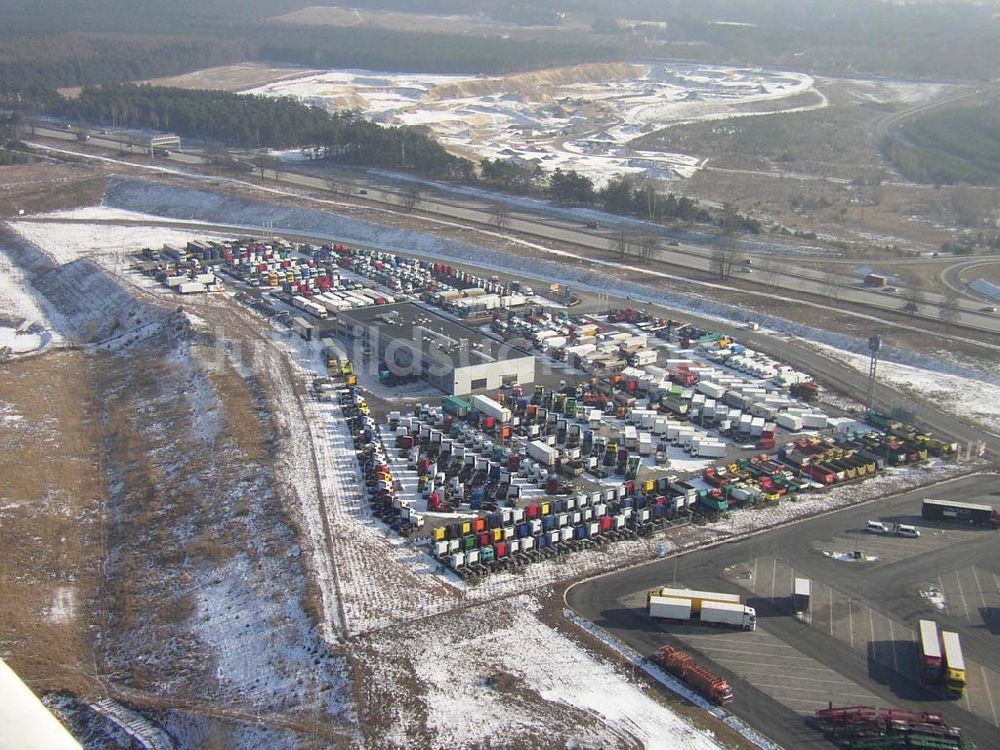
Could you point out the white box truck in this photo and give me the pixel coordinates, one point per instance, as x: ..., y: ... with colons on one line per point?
x: 544, y: 454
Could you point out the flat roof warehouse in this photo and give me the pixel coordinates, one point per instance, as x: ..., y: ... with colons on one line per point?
x: 451, y: 356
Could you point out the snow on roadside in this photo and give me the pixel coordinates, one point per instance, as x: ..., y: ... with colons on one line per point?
x: 487, y: 663
x: 972, y: 398
x: 69, y: 241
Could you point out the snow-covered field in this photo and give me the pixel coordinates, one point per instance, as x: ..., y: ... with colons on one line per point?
x: 24, y: 326
x: 973, y: 398
x: 463, y: 669
x: 555, y: 119
x: 73, y: 239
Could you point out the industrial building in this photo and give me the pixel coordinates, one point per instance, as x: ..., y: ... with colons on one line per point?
x: 452, y: 357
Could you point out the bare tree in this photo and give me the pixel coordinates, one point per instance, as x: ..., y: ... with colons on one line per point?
x: 624, y: 241
x: 411, y: 198
x: 913, y: 297
x: 723, y: 260
x: 646, y: 244
x: 949, y: 309
x: 832, y: 287
x: 771, y: 270
x: 500, y: 213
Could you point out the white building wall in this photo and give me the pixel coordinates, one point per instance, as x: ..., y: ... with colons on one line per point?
x: 494, y: 372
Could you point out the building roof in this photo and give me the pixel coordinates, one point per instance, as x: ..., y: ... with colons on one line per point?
x: 432, y: 333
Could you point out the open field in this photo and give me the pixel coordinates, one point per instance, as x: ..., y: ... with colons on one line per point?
x: 230, y: 77
x: 51, y: 512
x: 48, y: 187
x: 581, y: 117
x: 424, y: 22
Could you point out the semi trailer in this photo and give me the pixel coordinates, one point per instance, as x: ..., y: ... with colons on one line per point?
x: 706, y: 607
x: 952, y: 510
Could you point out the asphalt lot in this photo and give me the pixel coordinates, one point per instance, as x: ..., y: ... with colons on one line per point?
x: 858, y: 643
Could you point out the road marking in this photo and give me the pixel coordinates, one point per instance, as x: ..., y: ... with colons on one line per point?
x: 871, y: 626
x: 774, y: 576
x: 979, y: 586
x: 961, y: 594
x: 789, y: 683
x: 753, y: 586
x: 850, y: 620
x: 830, y: 589
x: 892, y: 644
x: 943, y: 596
x: 989, y: 696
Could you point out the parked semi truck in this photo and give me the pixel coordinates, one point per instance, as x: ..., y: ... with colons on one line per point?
x: 706, y: 682
x: 952, y: 510
x: 707, y: 607
x: 954, y: 664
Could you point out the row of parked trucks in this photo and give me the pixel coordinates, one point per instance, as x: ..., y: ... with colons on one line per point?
x: 941, y: 659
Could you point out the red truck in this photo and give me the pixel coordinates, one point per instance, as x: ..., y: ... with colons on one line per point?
x: 683, y: 665
x: 682, y: 376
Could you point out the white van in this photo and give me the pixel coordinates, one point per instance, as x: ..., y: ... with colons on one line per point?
x: 876, y: 527
x: 911, y: 532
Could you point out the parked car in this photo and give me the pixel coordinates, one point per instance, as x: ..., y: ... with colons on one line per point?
x: 876, y: 527
x: 910, y: 532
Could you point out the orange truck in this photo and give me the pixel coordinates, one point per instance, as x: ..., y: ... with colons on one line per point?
x: 683, y: 665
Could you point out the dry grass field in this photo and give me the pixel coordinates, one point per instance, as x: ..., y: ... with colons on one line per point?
x: 51, y: 501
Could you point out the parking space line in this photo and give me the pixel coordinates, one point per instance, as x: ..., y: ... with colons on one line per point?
x: 979, y: 586
x: 729, y: 661
x: 830, y: 589
x: 892, y: 645
x: 774, y: 575
x: 871, y: 626
x: 836, y: 680
x: 850, y: 620
x: 769, y: 657
x: 989, y: 695
x: 961, y: 594
x: 776, y: 690
x: 753, y: 586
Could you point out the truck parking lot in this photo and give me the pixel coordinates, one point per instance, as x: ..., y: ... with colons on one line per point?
x: 857, y: 644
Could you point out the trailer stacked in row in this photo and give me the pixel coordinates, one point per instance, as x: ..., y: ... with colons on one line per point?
x: 885, y: 728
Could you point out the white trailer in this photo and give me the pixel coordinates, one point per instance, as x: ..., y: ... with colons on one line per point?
x: 543, y: 453
x: 815, y: 421
x: 729, y: 615
x: 710, y: 389
x: 645, y: 444
x: 790, y: 422
x: 489, y: 407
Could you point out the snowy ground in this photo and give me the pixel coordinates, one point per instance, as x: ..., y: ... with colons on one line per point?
x: 464, y: 667
x: 555, y: 120
x: 972, y: 398
x: 69, y: 241
x: 24, y: 326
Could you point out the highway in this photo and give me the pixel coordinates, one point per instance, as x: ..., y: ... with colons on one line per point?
x: 785, y: 275
x: 888, y: 588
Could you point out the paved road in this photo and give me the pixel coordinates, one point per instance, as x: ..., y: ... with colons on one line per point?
x: 611, y: 602
x: 685, y: 254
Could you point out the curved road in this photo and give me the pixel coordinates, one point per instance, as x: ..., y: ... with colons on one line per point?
x: 615, y: 603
